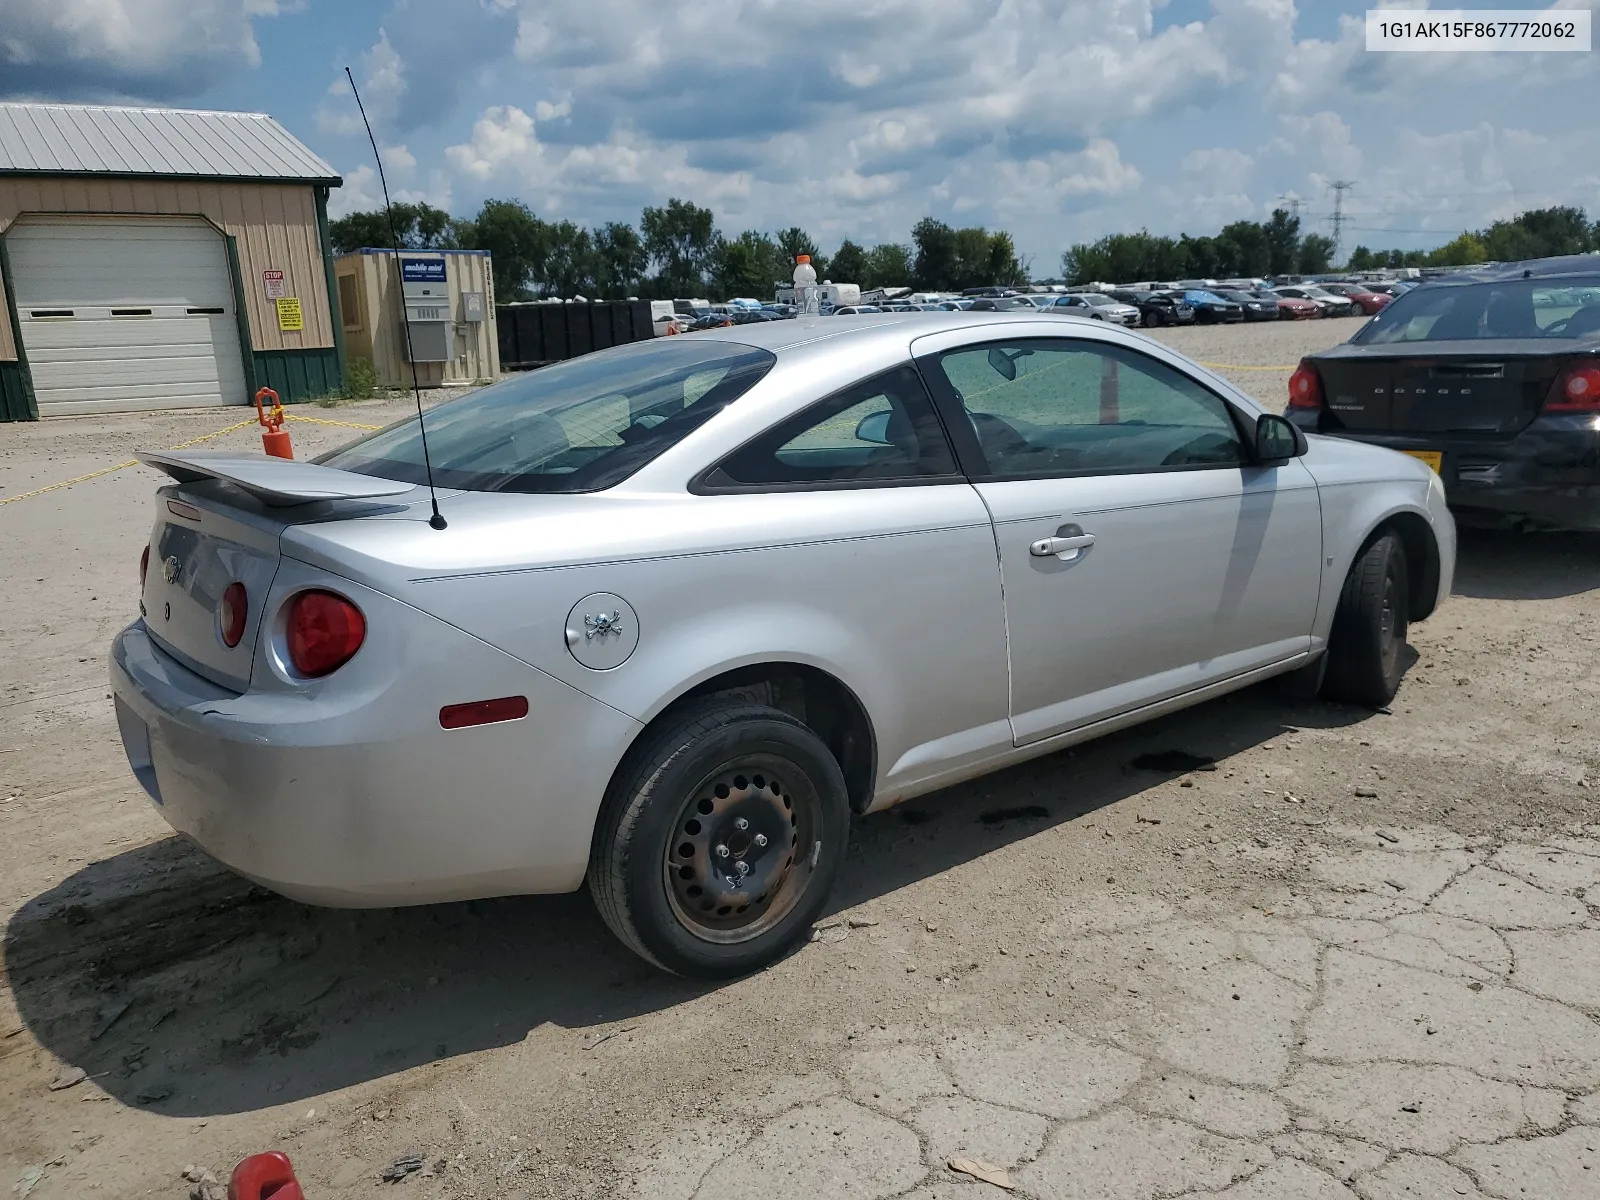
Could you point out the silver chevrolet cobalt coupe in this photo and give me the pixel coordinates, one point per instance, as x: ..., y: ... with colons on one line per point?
x: 699, y: 600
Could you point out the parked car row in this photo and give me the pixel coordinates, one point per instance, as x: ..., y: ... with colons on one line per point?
x: 1183, y: 302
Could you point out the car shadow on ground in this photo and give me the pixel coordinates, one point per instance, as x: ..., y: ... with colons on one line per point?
x: 1506, y: 565
x: 183, y: 988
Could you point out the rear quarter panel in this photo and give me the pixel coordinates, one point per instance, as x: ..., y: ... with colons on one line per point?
x: 894, y: 591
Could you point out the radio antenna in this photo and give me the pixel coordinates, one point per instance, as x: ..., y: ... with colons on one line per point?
x: 436, y: 521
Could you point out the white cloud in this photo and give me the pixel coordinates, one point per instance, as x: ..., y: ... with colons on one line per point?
x: 383, y: 88
x: 117, y: 48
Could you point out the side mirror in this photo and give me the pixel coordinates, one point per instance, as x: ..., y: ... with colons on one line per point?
x: 1278, y: 440
x: 874, y: 428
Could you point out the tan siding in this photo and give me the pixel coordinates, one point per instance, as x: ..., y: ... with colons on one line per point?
x: 474, y: 352
x: 275, y: 226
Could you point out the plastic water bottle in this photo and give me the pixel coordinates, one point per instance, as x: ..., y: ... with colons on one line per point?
x: 805, y: 286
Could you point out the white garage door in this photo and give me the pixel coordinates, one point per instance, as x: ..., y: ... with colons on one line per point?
x: 123, y: 314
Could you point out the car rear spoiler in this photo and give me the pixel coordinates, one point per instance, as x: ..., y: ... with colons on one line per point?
x: 275, y: 481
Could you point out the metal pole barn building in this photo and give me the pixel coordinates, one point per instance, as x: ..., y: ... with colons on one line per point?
x: 161, y: 258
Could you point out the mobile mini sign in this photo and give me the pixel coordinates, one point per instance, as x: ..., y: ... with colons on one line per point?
x: 422, y: 270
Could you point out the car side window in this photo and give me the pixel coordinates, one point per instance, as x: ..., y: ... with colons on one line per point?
x: 881, y: 431
x: 1063, y: 407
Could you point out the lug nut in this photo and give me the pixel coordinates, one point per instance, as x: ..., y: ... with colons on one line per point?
x: 740, y: 823
x: 761, y: 839
x: 722, y: 852
x: 742, y: 867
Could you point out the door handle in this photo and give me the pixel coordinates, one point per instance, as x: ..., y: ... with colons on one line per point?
x: 1066, y: 548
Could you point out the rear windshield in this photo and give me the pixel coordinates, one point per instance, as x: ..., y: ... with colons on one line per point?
x: 576, y: 426
x: 1517, y: 308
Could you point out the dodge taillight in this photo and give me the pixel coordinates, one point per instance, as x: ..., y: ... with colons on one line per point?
x: 1305, y: 389
x: 144, y: 565
x: 324, y: 632
x: 1577, y: 390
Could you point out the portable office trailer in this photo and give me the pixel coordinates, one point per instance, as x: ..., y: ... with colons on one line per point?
x: 160, y: 258
x: 448, y: 297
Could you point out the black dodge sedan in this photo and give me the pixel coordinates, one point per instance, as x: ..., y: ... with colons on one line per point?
x: 1491, y: 377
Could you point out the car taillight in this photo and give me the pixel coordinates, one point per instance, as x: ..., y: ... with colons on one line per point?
x: 1576, y: 391
x: 144, y: 565
x: 324, y: 632
x: 232, y: 612
x: 1305, y: 389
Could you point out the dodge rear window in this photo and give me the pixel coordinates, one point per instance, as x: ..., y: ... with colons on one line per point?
x: 577, y: 426
x: 1519, y: 308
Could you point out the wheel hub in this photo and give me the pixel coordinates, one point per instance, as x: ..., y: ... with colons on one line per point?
x: 732, y: 861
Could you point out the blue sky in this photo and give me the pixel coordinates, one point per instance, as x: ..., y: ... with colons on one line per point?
x: 1060, y: 120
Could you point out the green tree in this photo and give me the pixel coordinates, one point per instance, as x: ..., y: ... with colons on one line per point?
x: 1242, y: 249
x: 1362, y: 259
x: 749, y: 265
x: 1283, y: 242
x: 888, y: 265
x: 680, y: 238
x: 1199, y: 256
x: 620, y: 260
x: 419, y: 226
x: 1123, y: 258
x: 1006, y: 268
x: 935, y: 267
x: 568, y: 267
x: 792, y: 243
x: 517, y: 242
x: 1316, y: 254
x: 848, y: 265
x: 1462, y: 251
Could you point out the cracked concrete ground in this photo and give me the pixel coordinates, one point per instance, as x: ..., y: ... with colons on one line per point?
x: 1341, y: 1040
x: 1261, y: 982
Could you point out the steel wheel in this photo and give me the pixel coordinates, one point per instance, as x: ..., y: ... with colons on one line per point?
x: 720, y: 838
x: 741, y: 855
x: 1390, y: 625
x: 1367, y: 641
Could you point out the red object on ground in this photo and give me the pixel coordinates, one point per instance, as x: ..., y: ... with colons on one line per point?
x: 274, y: 438
x: 266, y: 1176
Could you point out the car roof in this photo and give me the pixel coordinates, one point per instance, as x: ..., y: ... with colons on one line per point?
x: 1535, y: 268
x: 896, y: 328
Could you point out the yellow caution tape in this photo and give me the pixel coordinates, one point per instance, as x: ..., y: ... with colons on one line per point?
x: 321, y: 421
x: 66, y: 483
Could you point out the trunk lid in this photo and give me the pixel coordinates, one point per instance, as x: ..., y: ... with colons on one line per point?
x: 200, y: 546
x: 1415, y: 392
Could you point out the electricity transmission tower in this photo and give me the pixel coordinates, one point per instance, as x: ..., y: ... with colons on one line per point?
x: 1337, y: 220
x: 1293, y: 204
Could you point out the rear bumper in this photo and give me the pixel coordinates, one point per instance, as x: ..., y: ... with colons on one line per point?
x: 1547, y: 476
x: 353, y: 796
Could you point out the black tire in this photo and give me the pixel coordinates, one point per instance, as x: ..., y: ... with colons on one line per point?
x: 1366, y: 645
x: 696, y: 761
x: 1153, y: 319
x: 1305, y: 683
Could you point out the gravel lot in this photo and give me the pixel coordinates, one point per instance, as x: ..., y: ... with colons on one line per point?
x: 1359, y: 957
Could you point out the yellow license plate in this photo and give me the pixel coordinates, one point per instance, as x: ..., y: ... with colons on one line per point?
x: 1434, y: 458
